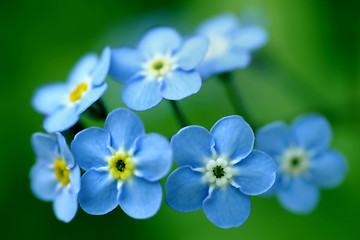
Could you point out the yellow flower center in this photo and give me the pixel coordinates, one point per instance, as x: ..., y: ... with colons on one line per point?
x: 121, y: 166
x: 77, y: 93
x: 61, y: 172
x: 160, y: 67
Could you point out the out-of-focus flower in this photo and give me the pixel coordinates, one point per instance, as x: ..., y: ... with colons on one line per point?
x: 305, y: 162
x: 63, y: 103
x: 218, y: 172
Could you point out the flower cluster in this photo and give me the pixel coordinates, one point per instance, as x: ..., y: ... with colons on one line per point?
x: 219, y: 170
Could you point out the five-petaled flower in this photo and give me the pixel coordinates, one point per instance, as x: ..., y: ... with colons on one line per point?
x: 55, y: 176
x: 161, y: 67
x: 123, y: 166
x: 305, y: 162
x: 63, y: 103
x: 218, y: 171
x: 229, y: 46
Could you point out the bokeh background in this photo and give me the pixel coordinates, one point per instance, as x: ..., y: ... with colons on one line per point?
x: 311, y: 64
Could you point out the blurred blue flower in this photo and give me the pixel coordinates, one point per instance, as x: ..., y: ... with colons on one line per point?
x: 230, y: 45
x: 55, y: 176
x: 218, y: 172
x: 162, y: 66
x: 123, y: 166
x: 63, y: 103
x: 305, y: 162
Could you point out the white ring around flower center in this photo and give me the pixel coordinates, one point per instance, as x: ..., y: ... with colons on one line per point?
x: 159, y: 66
x: 294, y: 161
x: 218, y: 172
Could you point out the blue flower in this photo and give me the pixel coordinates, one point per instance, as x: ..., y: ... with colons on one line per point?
x: 161, y: 67
x: 305, y: 162
x: 230, y: 45
x: 55, y: 176
x: 218, y: 171
x: 63, y: 103
x: 123, y: 166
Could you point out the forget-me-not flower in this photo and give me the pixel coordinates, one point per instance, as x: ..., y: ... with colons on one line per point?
x: 218, y: 172
x: 123, y: 166
x: 305, y: 161
x: 230, y: 45
x: 63, y: 103
x: 162, y: 66
x: 55, y: 176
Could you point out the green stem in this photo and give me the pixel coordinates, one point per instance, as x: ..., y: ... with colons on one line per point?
x: 179, y: 114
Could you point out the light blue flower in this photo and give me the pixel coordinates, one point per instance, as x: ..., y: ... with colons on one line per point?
x: 55, y: 176
x: 230, y: 45
x: 218, y: 172
x: 123, y: 166
x: 162, y: 66
x: 305, y: 162
x: 63, y: 103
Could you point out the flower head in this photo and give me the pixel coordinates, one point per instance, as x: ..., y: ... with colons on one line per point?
x: 161, y: 67
x: 63, y: 103
x: 305, y: 162
x: 218, y: 172
x: 55, y: 176
x: 230, y: 45
x: 123, y: 166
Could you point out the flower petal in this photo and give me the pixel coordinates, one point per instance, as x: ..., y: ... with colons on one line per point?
x: 140, y: 198
x: 124, y: 127
x: 219, y: 25
x: 250, y: 38
x: 61, y: 120
x: 43, y: 181
x: 50, y: 97
x: 161, y: 40
x: 152, y: 156
x: 192, y: 146
x: 125, y: 63
x: 328, y: 169
x: 312, y: 132
x: 179, y: 84
x: 45, y: 147
x: 101, y: 69
x: 141, y: 94
x: 82, y: 69
x: 185, y: 190
x: 75, y: 180
x: 98, y: 192
x: 233, y: 137
x: 227, y: 207
x: 65, y: 205
x: 256, y: 173
x: 64, y: 150
x: 91, y: 148
x: 273, y: 138
x: 192, y: 52
x: 90, y: 97
x: 299, y: 196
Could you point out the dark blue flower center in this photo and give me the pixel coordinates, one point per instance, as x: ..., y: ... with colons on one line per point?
x: 218, y: 171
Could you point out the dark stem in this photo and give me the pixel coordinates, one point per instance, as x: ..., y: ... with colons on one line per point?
x: 97, y: 110
x: 70, y: 133
x: 179, y: 114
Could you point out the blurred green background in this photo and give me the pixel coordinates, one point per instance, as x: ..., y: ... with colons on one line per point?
x: 311, y: 64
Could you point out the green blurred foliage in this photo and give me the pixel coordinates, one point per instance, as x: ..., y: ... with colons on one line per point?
x: 311, y: 64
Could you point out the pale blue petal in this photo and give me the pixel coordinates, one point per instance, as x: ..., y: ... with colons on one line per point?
x: 61, y: 120
x: 75, y: 180
x: 64, y: 150
x: 91, y: 148
x: 140, y: 198
x: 152, y: 156
x: 45, y: 147
x: 219, y: 25
x: 90, y: 97
x: 101, y: 70
x: 256, y: 173
x: 50, y: 97
x: 124, y: 127
x: 299, y: 196
x: 65, y: 205
x: 141, y: 94
x: 179, y: 84
x: 192, y: 52
x: 328, y: 169
x: 250, y: 38
x: 192, y: 146
x: 43, y: 181
x: 98, y: 192
x: 185, y: 190
x: 227, y: 207
x: 160, y: 40
x: 273, y: 138
x: 312, y: 132
x: 82, y: 69
x: 125, y: 63
x: 233, y: 137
